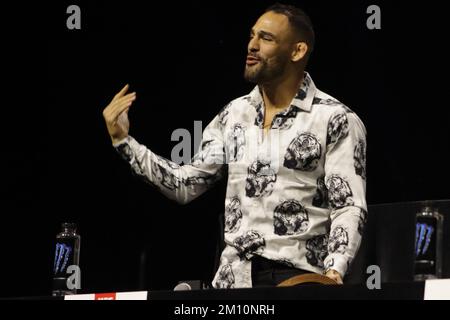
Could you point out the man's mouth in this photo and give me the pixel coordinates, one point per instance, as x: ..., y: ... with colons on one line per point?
x: 251, y: 60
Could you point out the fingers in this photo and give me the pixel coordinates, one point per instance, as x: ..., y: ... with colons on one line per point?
x: 128, y: 98
x: 121, y: 93
x: 112, y: 112
x: 334, y: 275
x: 123, y: 107
x: 337, y: 279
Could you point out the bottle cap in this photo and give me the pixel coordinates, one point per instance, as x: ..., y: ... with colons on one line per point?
x: 69, y: 226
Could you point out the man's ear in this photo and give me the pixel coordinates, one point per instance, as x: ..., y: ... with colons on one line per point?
x: 299, y: 52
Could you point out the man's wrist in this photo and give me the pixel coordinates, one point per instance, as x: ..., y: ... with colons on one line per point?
x: 118, y: 142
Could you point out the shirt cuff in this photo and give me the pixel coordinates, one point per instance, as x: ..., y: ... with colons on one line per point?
x: 124, y: 140
x: 336, y: 262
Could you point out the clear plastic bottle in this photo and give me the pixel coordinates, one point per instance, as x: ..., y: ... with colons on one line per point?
x: 67, y: 253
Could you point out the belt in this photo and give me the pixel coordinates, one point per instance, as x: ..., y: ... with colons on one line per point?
x: 260, y: 264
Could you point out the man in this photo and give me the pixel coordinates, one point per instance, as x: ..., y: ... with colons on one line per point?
x: 295, y: 199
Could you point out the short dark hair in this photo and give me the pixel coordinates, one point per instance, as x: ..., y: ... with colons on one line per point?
x: 299, y: 20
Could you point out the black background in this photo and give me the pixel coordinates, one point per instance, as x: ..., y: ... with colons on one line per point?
x: 185, y: 61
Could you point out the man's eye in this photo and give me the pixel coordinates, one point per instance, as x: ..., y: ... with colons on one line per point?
x: 268, y: 38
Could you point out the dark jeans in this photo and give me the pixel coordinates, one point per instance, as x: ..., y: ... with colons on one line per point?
x: 268, y: 273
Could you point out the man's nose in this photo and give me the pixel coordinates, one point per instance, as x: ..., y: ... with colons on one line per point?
x: 253, y: 45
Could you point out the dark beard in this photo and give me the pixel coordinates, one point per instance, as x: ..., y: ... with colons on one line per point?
x: 262, y: 72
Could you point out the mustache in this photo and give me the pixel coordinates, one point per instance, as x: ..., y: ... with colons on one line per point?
x: 254, y: 55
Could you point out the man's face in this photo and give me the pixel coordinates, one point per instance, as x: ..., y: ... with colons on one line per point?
x: 269, y: 49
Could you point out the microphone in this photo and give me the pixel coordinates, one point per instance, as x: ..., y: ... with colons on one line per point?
x: 182, y: 286
x: 191, y: 285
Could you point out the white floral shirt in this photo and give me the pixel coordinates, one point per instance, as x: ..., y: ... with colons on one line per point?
x: 295, y: 194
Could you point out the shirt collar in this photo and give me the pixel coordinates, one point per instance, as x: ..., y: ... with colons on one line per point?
x: 303, y: 99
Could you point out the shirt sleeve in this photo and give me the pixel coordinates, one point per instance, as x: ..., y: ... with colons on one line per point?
x: 345, y: 180
x: 181, y: 183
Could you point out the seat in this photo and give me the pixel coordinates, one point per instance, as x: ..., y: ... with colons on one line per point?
x: 307, y: 278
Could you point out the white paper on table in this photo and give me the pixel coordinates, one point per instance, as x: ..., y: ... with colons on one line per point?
x: 437, y: 289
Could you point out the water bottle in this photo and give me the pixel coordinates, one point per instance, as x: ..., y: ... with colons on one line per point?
x: 67, y: 260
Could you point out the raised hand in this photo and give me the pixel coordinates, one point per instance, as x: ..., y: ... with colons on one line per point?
x: 116, y: 115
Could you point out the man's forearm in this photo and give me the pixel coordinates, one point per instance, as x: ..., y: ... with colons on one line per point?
x: 344, y: 239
